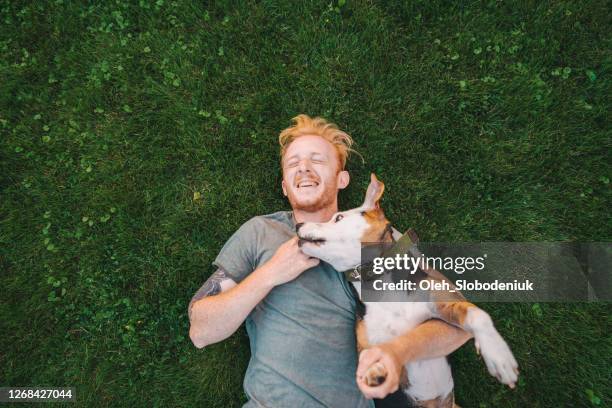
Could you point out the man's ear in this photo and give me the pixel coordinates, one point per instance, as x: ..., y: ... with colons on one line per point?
x: 343, y: 179
x: 284, y: 186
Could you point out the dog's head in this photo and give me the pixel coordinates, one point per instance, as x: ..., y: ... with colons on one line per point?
x: 338, y: 241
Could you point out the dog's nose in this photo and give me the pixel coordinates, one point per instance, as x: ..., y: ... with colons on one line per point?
x: 298, y: 226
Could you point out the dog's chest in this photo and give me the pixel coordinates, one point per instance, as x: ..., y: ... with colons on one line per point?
x: 386, y: 320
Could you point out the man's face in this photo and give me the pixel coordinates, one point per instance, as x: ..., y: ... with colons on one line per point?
x: 311, y: 173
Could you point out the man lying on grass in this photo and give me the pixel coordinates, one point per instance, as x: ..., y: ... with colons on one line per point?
x: 300, y: 313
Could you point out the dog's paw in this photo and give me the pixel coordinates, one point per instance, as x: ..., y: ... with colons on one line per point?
x: 375, y: 375
x: 497, y: 356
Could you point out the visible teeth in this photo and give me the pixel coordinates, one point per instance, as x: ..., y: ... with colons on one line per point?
x: 307, y: 184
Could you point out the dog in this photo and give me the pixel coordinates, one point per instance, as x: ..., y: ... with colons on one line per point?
x: 426, y: 383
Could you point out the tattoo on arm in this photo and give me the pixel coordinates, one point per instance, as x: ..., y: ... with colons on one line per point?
x: 213, y: 285
x: 210, y: 288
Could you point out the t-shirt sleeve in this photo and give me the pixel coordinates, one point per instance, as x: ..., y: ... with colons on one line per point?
x: 238, y: 256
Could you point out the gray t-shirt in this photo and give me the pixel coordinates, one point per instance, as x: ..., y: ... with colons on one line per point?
x: 302, y: 335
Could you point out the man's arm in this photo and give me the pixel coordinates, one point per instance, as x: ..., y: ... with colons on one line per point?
x: 215, y: 284
x: 433, y: 338
x: 225, y: 305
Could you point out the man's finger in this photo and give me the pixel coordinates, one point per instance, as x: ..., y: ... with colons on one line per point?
x: 314, y: 261
x: 391, y: 383
x: 380, y: 391
x: 366, y: 358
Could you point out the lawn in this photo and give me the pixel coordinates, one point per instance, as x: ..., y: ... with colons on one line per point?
x: 137, y: 136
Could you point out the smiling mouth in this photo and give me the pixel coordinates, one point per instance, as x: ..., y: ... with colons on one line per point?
x: 307, y: 183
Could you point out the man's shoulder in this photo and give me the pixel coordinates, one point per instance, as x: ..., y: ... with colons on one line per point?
x: 243, y: 251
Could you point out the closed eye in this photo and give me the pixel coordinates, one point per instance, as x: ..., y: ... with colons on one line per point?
x: 339, y: 217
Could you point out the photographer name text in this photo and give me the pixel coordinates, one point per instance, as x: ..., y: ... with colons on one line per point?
x: 460, y: 285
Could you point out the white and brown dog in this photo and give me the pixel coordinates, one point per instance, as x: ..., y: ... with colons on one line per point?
x: 427, y: 382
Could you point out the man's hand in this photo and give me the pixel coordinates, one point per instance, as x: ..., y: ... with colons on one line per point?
x: 374, y: 363
x: 215, y: 318
x: 288, y: 262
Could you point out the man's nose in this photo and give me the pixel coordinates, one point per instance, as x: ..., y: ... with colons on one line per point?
x: 304, y: 166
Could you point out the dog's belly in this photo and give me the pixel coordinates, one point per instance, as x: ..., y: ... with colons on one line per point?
x: 427, y: 379
x: 386, y: 320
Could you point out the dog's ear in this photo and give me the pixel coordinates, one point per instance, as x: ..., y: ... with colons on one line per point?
x: 375, y: 191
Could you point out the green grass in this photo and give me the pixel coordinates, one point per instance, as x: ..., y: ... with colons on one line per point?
x: 488, y: 121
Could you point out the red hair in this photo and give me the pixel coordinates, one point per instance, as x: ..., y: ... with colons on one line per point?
x: 305, y: 125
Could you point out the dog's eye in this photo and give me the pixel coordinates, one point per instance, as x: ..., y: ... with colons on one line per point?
x: 339, y: 217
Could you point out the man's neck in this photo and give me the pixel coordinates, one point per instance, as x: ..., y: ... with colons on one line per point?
x: 322, y: 215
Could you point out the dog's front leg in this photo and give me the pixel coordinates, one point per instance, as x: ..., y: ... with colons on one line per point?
x: 495, y: 351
